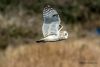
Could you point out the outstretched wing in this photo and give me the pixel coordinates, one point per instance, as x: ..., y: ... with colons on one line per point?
x: 51, y: 21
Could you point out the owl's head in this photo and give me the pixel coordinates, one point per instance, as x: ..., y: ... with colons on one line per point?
x: 63, y: 35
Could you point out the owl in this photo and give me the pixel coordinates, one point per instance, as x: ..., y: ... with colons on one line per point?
x: 52, y: 27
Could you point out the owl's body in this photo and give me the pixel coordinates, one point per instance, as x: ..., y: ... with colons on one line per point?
x: 51, y: 25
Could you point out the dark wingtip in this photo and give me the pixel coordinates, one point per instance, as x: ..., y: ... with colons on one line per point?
x: 47, y: 4
x: 40, y: 41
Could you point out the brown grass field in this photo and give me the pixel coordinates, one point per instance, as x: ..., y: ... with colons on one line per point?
x: 20, y: 27
x: 73, y: 52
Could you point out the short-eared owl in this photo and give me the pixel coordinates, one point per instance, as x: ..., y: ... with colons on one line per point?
x: 51, y: 27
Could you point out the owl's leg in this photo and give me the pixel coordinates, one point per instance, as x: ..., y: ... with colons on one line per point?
x: 60, y: 27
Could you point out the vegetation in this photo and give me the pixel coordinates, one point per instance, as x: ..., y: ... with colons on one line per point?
x: 20, y: 26
x: 19, y: 18
x: 70, y: 10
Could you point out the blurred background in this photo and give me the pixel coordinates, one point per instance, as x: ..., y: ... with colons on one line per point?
x: 21, y: 22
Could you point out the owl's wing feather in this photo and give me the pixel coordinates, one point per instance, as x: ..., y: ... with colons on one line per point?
x: 51, y: 21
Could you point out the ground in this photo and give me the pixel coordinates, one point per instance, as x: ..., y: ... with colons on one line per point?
x: 73, y: 52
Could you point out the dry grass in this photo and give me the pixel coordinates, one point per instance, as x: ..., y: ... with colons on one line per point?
x: 74, y: 52
x: 18, y: 25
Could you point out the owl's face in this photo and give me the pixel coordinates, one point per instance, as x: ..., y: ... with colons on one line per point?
x: 63, y: 34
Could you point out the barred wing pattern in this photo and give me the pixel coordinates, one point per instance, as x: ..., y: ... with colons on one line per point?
x: 51, y: 21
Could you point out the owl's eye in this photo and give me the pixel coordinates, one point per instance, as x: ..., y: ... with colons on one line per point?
x: 65, y: 33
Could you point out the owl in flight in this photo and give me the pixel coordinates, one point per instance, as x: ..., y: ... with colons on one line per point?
x: 51, y: 27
